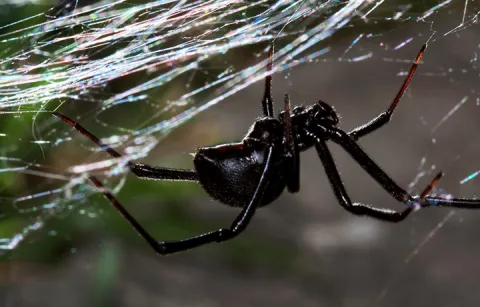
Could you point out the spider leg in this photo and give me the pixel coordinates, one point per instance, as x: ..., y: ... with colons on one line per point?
x: 430, y: 201
x: 391, y: 187
x: 341, y: 193
x: 462, y: 203
x: 140, y: 170
x: 385, y: 117
x: 344, y: 140
x: 291, y: 152
x: 150, y: 172
x: 267, y: 101
x: 220, y: 235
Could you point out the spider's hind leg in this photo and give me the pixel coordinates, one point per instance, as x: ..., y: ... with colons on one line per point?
x: 140, y: 170
x: 220, y: 235
x: 385, y: 117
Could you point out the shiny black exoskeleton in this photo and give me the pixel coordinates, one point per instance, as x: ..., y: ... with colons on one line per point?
x: 255, y: 171
x: 230, y: 172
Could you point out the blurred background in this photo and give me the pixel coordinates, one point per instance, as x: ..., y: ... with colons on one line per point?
x: 64, y: 245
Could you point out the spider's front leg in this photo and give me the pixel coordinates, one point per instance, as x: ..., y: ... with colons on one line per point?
x: 340, y: 137
x: 385, y: 117
x: 423, y: 200
x: 341, y: 193
x: 169, y: 247
x: 460, y: 203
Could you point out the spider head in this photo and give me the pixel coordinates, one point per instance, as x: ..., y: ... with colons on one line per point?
x: 324, y: 113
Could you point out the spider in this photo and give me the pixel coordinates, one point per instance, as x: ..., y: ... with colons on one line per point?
x: 254, y: 172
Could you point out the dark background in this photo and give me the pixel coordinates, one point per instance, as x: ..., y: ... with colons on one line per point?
x: 304, y: 249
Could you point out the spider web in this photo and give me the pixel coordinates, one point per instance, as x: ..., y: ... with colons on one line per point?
x: 121, y: 58
x: 49, y: 64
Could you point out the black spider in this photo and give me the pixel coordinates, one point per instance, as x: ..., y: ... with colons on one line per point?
x: 255, y: 171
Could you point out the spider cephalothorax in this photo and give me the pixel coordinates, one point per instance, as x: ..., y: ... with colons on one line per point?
x: 324, y: 114
x: 254, y: 172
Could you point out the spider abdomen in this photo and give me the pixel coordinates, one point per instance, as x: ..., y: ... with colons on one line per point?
x: 230, y: 173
